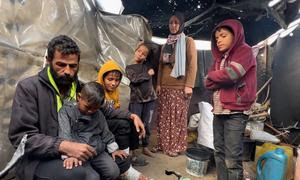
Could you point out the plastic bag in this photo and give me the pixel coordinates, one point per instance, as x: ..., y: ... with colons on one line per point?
x: 263, y: 136
x: 194, y: 121
x: 205, y: 127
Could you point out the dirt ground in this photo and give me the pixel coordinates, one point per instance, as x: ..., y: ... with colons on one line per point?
x: 155, y: 170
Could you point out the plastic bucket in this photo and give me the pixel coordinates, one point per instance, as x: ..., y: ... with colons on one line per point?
x: 197, y: 161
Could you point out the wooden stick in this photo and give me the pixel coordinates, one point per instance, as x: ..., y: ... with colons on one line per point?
x: 259, y: 115
x: 263, y: 87
x: 277, y: 131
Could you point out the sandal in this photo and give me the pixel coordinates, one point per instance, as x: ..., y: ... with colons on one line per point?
x: 138, y: 161
x: 173, y: 154
x: 155, y: 150
x: 147, y: 152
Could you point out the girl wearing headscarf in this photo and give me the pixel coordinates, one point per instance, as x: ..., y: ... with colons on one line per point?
x: 176, y: 77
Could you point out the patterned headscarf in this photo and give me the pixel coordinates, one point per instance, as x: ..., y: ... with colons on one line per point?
x: 180, y: 17
x: 172, y: 38
x: 177, y: 39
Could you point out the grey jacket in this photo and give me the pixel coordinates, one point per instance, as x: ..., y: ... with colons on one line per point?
x: 88, y: 129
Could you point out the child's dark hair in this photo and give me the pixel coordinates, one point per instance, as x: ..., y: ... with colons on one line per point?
x: 93, y: 93
x: 225, y: 27
x: 63, y: 44
x: 116, y: 72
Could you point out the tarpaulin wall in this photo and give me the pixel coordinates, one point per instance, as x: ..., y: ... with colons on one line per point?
x: 285, y: 87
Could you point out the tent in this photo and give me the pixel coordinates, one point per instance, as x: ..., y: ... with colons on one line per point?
x: 27, y: 26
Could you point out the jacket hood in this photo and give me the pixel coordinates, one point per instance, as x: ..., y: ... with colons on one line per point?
x: 239, y: 37
x: 110, y: 65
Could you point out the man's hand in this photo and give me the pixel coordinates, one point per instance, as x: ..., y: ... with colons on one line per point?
x: 80, y: 151
x: 68, y: 163
x: 139, y: 125
x: 120, y: 153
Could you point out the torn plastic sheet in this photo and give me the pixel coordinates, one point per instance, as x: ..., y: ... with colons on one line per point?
x: 119, y: 43
x: 17, y: 155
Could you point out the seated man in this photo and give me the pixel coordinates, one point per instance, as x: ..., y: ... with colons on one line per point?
x: 35, y: 113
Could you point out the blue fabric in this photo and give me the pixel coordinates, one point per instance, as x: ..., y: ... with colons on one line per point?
x: 180, y: 57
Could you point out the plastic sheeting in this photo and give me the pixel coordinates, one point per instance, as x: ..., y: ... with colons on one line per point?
x: 120, y: 43
x: 16, y: 157
x: 285, y: 87
x: 26, y: 26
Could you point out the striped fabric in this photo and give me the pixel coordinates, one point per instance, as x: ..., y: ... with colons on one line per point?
x: 235, y: 71
x: 218, y: 107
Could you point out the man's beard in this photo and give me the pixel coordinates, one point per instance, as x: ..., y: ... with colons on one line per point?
x: 65, y: 80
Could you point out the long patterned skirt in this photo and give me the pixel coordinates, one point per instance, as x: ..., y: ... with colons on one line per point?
x: 172, y: 120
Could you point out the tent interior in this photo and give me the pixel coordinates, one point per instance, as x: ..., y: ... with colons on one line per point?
x: 273, y: 30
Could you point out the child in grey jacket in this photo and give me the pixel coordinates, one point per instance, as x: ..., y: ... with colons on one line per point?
x: 84, y: 122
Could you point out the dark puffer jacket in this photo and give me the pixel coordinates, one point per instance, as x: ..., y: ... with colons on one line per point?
x: 34, y: 113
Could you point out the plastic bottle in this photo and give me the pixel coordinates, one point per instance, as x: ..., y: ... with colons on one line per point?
x: 297, y: 169
x: 274, y: 165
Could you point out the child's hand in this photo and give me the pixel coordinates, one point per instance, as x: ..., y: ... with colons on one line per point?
x: 68, y: 163
x: 151, y: 72
x: 139, y: 125
x: 120, y: 153
x: 158, y: 89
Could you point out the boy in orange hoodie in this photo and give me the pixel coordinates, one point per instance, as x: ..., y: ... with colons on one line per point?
x: 109, y: 76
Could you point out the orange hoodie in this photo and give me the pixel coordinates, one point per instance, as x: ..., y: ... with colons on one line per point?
x: 110, y: 65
